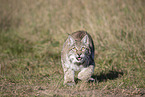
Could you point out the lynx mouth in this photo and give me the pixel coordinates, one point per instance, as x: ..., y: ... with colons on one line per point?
x: 79, y: 58
x: 79, y: 61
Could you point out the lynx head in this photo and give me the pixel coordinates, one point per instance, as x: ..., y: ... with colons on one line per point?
x: 78, y: 49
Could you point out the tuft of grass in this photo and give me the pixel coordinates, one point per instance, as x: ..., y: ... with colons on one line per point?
x: 32, y: 34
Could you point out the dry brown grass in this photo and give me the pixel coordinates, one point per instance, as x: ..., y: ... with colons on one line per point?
x: 31, y: 37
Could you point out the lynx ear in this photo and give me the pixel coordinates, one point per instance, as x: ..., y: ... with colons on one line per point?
x: 85, y: 40
x: 71, y: 41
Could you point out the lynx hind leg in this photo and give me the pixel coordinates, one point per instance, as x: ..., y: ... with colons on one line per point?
x: 69, y: 77
x: 86, y: 73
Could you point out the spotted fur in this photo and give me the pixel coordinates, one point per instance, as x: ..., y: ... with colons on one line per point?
x: 78, y: 55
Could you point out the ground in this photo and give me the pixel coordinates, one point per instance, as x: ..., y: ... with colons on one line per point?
x: 32, y: 34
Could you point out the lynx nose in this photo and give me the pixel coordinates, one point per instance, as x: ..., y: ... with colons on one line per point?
x: 79, y: 56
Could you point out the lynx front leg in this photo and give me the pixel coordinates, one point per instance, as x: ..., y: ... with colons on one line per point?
x: 86, y: 73
x: 69, y: 77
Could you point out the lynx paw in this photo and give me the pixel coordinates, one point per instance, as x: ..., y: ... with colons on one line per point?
x: 70, y: 83
x: 91, y: 80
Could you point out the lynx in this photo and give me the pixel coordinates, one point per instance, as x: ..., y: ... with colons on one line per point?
x: 78, y: 55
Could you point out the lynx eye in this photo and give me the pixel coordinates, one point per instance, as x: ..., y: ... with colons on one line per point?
x: 83, y: 48
x: 74, y: 48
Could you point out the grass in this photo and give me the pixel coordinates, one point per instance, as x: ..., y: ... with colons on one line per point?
x: 32, y: 34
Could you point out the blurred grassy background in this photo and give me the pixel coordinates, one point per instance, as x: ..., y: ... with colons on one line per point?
x: 32, y: 34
